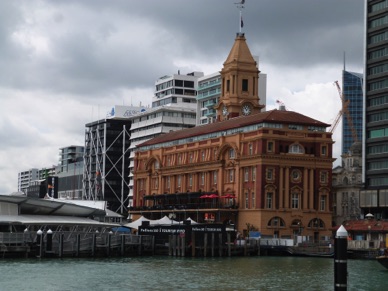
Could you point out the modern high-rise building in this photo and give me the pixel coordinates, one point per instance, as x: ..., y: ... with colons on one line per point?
x: 26, y: 177
x: 352, y: 92
x: 70, y: 172
x: 374, y: 198
x: 106, y: 158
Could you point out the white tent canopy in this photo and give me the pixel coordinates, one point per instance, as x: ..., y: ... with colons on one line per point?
x: 135, y: 224
x: 163, y: 221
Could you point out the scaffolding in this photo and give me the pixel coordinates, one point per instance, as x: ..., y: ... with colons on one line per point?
x: 106, y: 161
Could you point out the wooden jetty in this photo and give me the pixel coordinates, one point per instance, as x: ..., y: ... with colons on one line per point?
x: 74, y: 244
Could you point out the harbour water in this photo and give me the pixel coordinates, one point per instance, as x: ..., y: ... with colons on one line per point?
x: 170, y: 273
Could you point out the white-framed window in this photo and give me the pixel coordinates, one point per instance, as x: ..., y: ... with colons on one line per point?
x: 190, y: 180
x: 246, y: 174
x: 324, y: 150
x: 179, y: 180
x: 231, y: 175
x: 270, y: 146
x: 215, y: 177
x: 168, y: 182
x: 295, y: 200
x: 253, y: 199
x: 253, y: 173
x: 322, y: 205
x: 246, y: 200
x: 323, y: 177
x: 191, y: 157
x: 250, y: 149
x: 231, y: 154
x: 203, y: 155
x: 296, y: 149
x: 202, y: 178
x: 269, y: 199
x: 269, y: 174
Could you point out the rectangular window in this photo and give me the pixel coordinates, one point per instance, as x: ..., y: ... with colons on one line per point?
x: 323, y: 203
x: 323, y: 177
x: 295, y: 200
x: 246, y: 200
x: 231, y: 153
x: 269, y: 175
x: 203, y: 155
x: 253, y: 173
x: 269, y: 200
x: 231, y: 175
x: 270, y: 146
x: 246, y: 174
x: 227, y: 85
x: 168, y: 182
x: 250, y: 149
x: 253, y: 199
x: 179, y: 180
x: 202, y: 179
x: 190, y: 180
x: 215, y: 177
x: 324, y: 150
x: 245, y: 85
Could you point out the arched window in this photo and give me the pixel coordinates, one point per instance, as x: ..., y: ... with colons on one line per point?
x: 276, y: 222
x: 296, y: 149
x: 316, y: 223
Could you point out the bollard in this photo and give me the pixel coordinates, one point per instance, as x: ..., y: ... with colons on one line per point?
x: 39, y: 240
x: 340, y: 259
x: 60, y: 252
x: 49, y: 241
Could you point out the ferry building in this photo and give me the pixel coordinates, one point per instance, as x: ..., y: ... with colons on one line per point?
x: 267, y: 171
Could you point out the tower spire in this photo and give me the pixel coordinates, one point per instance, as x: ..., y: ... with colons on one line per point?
x: 240, y: 6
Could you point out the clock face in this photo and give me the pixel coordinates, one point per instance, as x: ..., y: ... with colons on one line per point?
x: 246, y: 109
x: 225, y: 110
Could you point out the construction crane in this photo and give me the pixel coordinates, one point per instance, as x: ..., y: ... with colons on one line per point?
x: 344, y: 110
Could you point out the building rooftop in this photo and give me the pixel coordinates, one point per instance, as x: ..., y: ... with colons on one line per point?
x: 272, y: 116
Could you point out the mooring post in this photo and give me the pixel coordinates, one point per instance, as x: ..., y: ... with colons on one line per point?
x: 212, y: 242
x: 78, y: 244
x: 60, y: 245
x: 39, y: 239
x: 94, y: 239
x: 109, y: 243
x: 340, y: 259
x: 49, y: 241
x: 205, y: 244
x: 170, y: 245
x: 220, y: 249
x: 122, y: 245
x: 193, y: 246
x: 228, y: 238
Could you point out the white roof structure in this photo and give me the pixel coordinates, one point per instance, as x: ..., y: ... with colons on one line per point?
x: 28, y: 205
x: 163, y: 221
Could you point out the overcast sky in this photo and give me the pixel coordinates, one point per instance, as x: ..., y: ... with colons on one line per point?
x: 65, y: 63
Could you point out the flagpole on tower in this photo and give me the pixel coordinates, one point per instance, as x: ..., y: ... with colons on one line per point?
x: 240, y: 6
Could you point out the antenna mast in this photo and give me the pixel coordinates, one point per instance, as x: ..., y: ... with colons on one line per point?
x: 240, y: 6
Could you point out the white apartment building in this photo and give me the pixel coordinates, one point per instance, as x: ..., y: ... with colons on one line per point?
x: 174, y: 107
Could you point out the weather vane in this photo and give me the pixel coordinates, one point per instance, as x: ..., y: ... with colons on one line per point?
x: 240, y: 6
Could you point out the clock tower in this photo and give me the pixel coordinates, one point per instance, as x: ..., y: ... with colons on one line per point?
x: 239, y: 87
